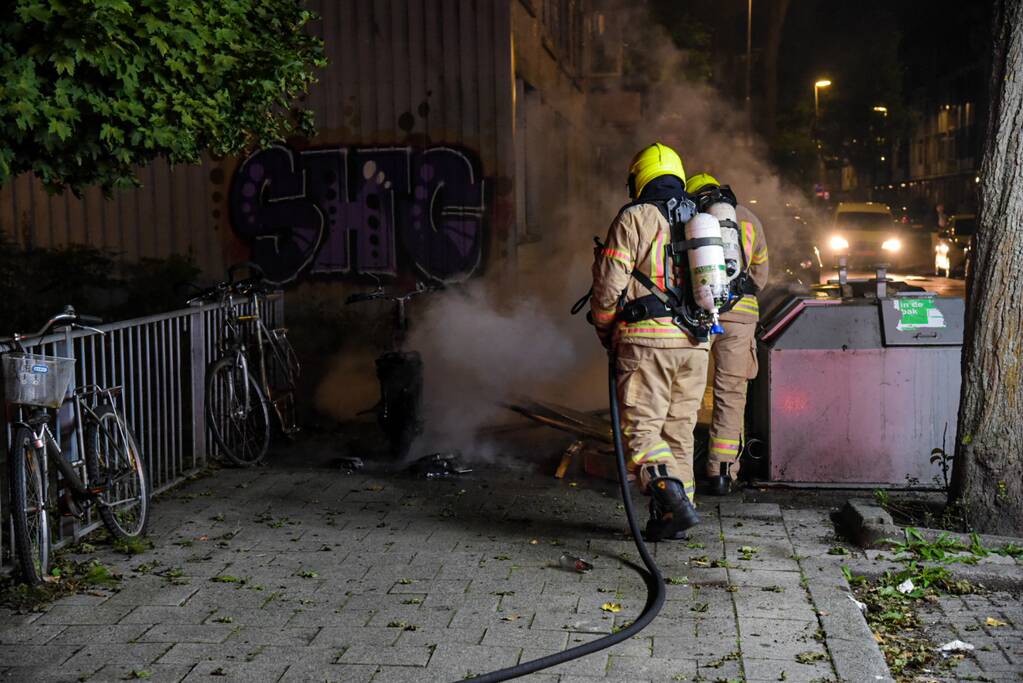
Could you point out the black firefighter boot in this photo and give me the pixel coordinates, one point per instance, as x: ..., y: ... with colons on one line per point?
x: 671, y: 511
x: 721, y: 485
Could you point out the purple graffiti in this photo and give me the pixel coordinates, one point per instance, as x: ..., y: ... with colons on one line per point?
x: 340, y: 211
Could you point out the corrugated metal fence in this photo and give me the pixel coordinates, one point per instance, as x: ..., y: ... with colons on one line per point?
x: 160, y: 362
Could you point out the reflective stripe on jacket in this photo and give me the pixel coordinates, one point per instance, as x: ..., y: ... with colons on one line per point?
x: 754, y: 252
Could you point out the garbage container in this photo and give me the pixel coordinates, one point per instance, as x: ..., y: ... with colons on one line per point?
x: 858, y: 391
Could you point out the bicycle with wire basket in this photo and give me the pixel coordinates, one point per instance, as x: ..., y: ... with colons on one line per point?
x: 109, y: 475
x: 256, y: 369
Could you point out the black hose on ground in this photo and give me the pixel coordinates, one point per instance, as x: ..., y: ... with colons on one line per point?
x: 654, y: 578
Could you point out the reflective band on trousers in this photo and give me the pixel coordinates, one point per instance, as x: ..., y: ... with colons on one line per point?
x: 659, y: 451
x: 690, y: 487
x: 724, y: 446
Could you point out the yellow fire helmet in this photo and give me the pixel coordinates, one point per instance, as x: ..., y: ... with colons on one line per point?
x: 652, y: 162
x: 700, y: 181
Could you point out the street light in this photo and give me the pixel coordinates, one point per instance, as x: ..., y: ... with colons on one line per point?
x: 821, y: 83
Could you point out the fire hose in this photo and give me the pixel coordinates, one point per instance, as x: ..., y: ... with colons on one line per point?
x: 654, y: 579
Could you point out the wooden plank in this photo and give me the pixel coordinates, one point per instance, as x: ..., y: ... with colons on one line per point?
x: 75, y: 211
x: 178, y: 191
x: 58, y: 222
x: 163, y: 226
x: 93, y: 220
x: 400, y: 66
x: 21, y: 227
x: 470, y: 74
x: 127, y: 201
x: 417, y: 66
x: 146, y: 226
x: 434, y: 69
x: 382, y: 41
x: 40, y: 224
x: 367, y: 94
x: 350, y: 79
x: 485, y: 64
x: 8, y: 210
x: 452, y: 73
x: 110, y: 230
x: 503, y: 247
x: 323, y: 96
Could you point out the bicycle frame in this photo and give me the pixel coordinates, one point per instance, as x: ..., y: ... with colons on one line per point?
x: 44, y: 440
x: 235, y: 343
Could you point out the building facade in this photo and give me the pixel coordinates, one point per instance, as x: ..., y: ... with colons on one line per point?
x: 447, y: 132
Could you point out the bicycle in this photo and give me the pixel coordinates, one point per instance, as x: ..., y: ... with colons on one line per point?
x: 115, y: 482
x: 256, y: 368
x: 400, y: 374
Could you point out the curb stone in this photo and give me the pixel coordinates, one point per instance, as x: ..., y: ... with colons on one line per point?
x: 850, y: 641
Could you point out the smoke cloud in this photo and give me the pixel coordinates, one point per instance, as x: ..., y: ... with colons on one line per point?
x: 488, y: 342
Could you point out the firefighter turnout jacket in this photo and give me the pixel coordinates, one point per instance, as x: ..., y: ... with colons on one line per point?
x: 636, y: 240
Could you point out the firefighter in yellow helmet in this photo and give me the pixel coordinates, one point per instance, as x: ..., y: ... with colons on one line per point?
x: 735, y: 352
x: 661, y: 369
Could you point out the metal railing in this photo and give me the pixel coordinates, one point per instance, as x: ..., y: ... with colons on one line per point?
x: 160, y: 364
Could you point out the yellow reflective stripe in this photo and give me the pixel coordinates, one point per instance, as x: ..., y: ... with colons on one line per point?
x: 759, y: 257
x: 749, y: 232
x: 659, y: 451
x: 718, y: 439
x: 657, y: 260
x: 748, y: 304
x: 602, y: 316
x: 619, y: 255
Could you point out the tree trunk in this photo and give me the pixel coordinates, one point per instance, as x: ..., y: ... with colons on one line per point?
x: 987, y: 480
x: 775, y: 24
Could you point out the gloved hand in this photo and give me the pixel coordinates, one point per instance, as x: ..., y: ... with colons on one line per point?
x: 743, y: 284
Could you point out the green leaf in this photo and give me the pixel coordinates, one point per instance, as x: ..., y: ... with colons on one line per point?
x: 60, y: 129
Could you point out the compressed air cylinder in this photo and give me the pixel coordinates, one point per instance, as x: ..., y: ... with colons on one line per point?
x: 707, y: 263
x: 725, y: 213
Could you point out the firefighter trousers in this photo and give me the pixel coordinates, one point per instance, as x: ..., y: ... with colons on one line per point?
x: 735, y: 363
x: 659, y: 392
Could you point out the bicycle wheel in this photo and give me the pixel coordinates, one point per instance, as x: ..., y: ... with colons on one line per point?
x: 113, y: 461
x: 236, y: 413
x: 28, y: 507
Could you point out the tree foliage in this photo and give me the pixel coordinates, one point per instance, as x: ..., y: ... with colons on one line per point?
x: 90, y: 89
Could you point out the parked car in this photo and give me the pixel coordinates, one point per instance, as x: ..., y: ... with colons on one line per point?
x: 866, y: 234
x: 954, y: 245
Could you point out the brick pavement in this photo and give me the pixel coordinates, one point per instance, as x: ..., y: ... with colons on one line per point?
x: 309, y: 574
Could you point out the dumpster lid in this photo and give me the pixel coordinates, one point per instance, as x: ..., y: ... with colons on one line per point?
x: 913, y: 319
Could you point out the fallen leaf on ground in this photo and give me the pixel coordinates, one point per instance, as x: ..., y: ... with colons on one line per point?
x: 991, y: 621
x: 611, y: 607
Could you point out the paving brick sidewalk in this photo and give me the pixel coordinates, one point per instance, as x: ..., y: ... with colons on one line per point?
x: 283, y: 574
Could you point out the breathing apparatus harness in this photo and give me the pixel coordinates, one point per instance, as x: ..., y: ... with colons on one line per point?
x: 675, y: 302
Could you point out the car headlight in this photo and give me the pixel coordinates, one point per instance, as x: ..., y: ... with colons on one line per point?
x: 941, y: 248
x: 892, y: 244
x: 838, y: 243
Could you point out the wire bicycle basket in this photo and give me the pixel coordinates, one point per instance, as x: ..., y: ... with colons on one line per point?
x: 35, y: 380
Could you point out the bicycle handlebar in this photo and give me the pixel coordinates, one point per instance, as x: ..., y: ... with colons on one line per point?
x: 68, y: 315
x: 380, y: 294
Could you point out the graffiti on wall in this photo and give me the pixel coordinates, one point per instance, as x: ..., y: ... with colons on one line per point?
x: 356, y: 210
